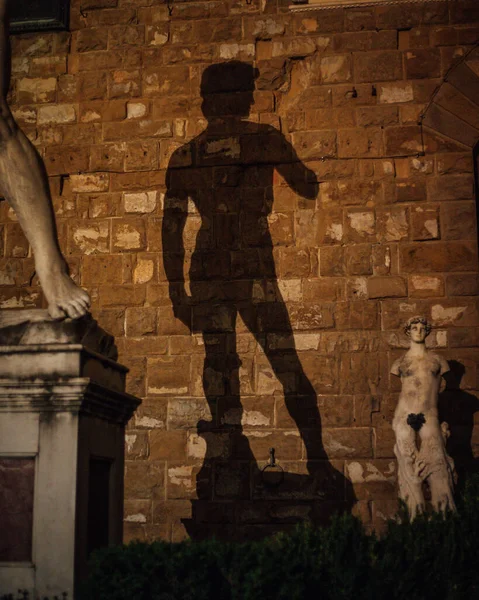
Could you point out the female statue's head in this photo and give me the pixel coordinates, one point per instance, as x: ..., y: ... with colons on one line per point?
x: 417, y: 328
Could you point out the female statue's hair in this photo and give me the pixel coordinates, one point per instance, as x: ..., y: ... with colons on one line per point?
x: 417, y: 319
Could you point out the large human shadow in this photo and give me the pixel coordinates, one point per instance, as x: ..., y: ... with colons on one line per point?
x: 457, y: 407
x: 225, y: 175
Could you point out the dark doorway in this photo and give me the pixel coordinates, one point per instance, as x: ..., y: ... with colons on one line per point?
x: 98, y: 504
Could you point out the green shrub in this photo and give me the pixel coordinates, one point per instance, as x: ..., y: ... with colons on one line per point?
x: 432, y: 557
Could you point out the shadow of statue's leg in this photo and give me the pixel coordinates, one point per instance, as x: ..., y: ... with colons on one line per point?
x: 228, y: 457
x: 299, y: 394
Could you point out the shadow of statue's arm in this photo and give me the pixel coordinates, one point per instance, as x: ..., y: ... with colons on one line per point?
x: 174, y: 218
x: 298, y: 176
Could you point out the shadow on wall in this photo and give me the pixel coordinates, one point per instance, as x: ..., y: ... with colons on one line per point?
x: 457, y: 407
x: 227, y: 173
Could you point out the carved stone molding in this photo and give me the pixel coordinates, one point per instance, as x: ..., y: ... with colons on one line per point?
x: 329, y: 4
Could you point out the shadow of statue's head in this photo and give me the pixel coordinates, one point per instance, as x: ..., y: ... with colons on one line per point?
x: 227, y: 89
x: 455, y: 374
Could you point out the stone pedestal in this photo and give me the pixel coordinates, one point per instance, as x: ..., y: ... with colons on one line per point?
x: 63, y: 411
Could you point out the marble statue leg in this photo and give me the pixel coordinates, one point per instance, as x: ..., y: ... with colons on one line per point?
x: 409, y: 467
x: 439, y: 469
x: 24, y: 183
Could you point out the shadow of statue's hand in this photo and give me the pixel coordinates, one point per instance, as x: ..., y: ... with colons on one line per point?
x: 181, y: 305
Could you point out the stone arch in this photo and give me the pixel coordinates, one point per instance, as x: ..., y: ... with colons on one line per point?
x: 453, y: 110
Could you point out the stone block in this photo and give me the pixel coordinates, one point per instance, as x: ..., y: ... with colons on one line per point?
x: 410, y: 191
x: 392, y: 224
x: 359, y: 373
x: 438, y: 256
x: 466, y: 284
x: 395, y: 93
x: 321, y: 371
x: 425, y: 286
x: 458, y: 187
x: 61, y: 160
x: 458, y: 221
x: 314, y: 144
x: 145, y: 480
x: 378, y: 116
x: 168, y: 375
x: 425, y: 223
x: 359, y: 142
x: 36, y: 90
x: 107, y: 157
x: 89, y: 237
x: 167, y: 445
x: 326, y: 289
x: 121, y: 295
x: 357, y: 315
x: 423, y: 63
x: 454, y: 164
x: 336, y: 68
x: 141, y: 321
x: 98, y: 269
x: 91, y: 39
x: 382, y: 65
x: 358, y: 259
x: 348, y: 443
x: 403, y: 141
x: 129, y: 235
x: 360, y: 225
x: 187, y: 413
x: 331, y: 261
x: 386, y: 287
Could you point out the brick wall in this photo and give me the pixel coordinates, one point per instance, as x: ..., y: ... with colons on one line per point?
x: 116, y: 110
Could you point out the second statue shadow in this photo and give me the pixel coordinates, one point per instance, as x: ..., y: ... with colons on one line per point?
x: 222, y: 180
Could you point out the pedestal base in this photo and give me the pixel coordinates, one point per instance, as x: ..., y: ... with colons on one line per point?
x: 63, y: 412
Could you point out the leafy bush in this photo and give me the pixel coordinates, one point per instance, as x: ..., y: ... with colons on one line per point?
x: 432, y: 557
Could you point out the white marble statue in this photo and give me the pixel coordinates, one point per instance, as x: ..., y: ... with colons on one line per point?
x: 420, y: 438
x: 24, y: 183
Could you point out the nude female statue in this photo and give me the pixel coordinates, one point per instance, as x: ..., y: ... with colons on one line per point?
x: 416, y: 417
x: 24, y: 184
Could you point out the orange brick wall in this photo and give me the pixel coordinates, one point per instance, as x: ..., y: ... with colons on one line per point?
x: 391, y: 233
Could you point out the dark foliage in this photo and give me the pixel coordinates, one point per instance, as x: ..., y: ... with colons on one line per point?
x: 433, y: 557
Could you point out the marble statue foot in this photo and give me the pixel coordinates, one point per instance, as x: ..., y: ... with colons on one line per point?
x: 64, y: 297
